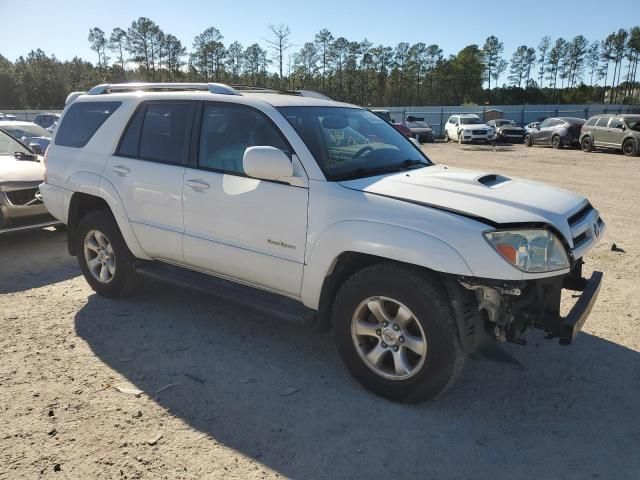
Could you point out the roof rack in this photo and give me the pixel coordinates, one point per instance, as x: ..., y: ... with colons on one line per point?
x: 219, y: 88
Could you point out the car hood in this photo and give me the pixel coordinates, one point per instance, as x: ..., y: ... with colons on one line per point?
x: 473, y: 126
x: 13, y: 170
x: 489, y: 198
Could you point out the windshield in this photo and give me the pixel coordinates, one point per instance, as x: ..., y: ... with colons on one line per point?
x: 470, y: 121
x: 634, y: 123
x: 9, y: 146
x: 352, y: 143
x: 502, y: 123
x: 417, y: 124
x: 26, y: 132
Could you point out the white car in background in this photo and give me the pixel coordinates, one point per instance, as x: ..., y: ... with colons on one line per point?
x: 468, y: 128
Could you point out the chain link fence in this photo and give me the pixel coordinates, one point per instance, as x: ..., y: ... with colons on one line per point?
x: 436, y: 117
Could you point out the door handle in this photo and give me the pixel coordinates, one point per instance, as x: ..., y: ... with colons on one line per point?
x: 198, y: 185
x: 121, y: 170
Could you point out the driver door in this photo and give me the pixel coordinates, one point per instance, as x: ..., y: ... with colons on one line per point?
x: 253, y: 231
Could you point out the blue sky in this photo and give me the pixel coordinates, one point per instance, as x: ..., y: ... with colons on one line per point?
x: 61, y: 27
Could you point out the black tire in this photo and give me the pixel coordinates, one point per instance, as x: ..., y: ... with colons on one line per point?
x: 556, y: 142
x: 424, y: 295
x: 630, y: 147
x: 528, y: 141
x: 586, y: 144
x: 124, y: 279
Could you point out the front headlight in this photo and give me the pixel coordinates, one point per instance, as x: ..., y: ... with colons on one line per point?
x: 532, y: 251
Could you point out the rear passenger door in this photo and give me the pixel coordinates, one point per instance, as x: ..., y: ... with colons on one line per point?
x: 147, y: 171
x: 247, y: 229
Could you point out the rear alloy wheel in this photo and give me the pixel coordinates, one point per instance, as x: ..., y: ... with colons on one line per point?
x: 556, y: 142
x: 630, y: 148
x: 103, y: 255
x: 396, y: 333
x: 587, y: 144
x: 527, y: 140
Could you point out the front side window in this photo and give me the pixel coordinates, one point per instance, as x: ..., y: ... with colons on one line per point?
x: 545, y: 123
x: 228, y: 130
x: 602, y: 122
x: 453, y: 120
x: 352, y: 143
x: 616, y: 123
x: 82, y: 121
x: 591, y: 122
x: 10, y: 146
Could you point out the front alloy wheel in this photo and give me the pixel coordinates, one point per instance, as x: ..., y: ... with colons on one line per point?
x: 396, y: 332
x: 388, y: 338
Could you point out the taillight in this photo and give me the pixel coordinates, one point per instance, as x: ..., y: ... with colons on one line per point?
x: 44, y: 161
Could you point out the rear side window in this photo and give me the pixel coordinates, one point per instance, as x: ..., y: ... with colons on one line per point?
x: 82, y: 121
x: 159, y: 132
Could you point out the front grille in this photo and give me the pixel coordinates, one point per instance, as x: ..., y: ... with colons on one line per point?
x: 586, y: 227
x: 24, y: 197
x: 479, y: 132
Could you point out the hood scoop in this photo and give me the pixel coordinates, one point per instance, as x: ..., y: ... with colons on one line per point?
x: 492, y: 180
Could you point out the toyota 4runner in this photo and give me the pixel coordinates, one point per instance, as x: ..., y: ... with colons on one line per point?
x: 322, y: 211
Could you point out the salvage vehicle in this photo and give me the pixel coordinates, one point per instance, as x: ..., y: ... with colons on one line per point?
x: 21, y: 172
x: 468, y: 128
x: 507, y: 130
x: 557, y: 132
x: 400, y: 126
x: 614, y: 132
x: 46, y: 120
x: 318, y: 211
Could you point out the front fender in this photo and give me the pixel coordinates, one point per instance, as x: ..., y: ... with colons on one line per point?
x: 379, y: 239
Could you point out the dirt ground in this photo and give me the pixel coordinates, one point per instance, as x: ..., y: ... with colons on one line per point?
x: 225, y: 392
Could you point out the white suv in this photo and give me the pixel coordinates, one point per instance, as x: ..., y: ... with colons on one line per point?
x: 468, y: 128
x: 314, y: 209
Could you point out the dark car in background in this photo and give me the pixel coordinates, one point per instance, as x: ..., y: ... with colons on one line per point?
x: 507, y: 130
x: 401, y: 127
x: 46, y: 120
x: 420, y: 130
x: 615, y: 132
x: 557, y: 132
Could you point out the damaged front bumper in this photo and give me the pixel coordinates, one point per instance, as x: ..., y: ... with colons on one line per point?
x: 510, y: 308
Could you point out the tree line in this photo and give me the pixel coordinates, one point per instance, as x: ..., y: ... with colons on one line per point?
x: 555, y: 71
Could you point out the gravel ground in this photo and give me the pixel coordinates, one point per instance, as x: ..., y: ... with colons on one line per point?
x: 174, y: 384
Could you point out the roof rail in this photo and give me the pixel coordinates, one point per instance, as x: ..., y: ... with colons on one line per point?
x: 298, y: 93
x: 219, y: 88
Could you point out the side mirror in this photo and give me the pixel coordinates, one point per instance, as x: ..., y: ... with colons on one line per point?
x: 267, y: 163
x: 35, y: 148
x: 457, y: 124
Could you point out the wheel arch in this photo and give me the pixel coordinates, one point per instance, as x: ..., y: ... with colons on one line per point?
x: 340, y: 251
x: 102, y: 197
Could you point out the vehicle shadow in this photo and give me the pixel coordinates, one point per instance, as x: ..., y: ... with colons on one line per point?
x: 42, y: 254
x: 278, y: 393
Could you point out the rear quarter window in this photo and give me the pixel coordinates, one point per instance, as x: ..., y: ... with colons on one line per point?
x: 82, y: 121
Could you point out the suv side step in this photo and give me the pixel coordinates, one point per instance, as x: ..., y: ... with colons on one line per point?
x: 268, y: 303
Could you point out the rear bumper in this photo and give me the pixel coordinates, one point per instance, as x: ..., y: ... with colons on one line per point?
x: 573, y: 322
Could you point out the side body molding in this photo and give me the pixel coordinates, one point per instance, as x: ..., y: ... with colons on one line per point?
x: 379, y: 239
